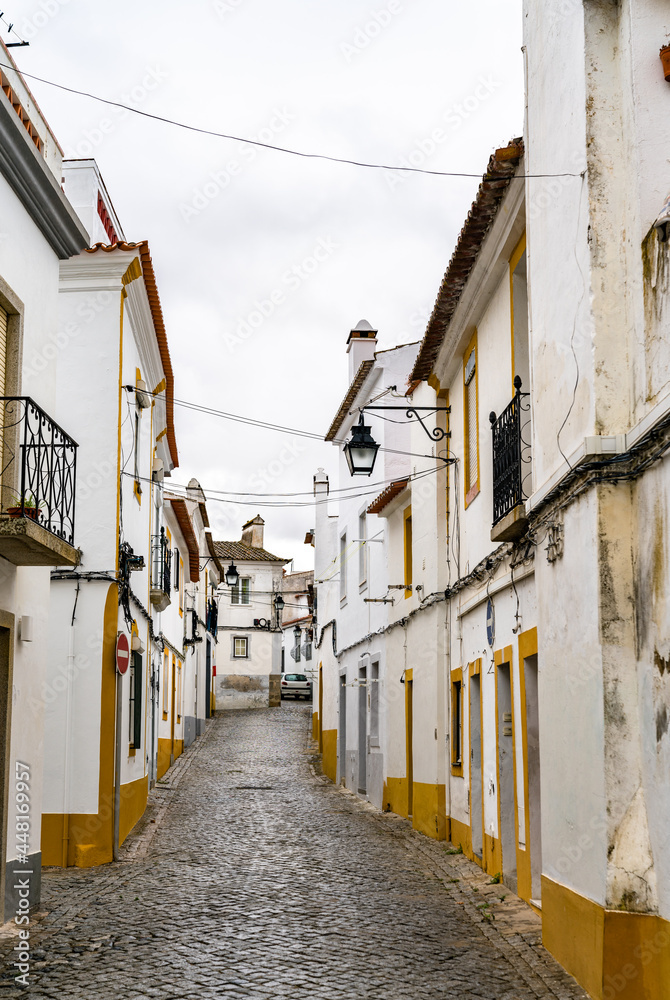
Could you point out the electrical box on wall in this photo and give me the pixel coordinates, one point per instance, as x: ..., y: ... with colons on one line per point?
x: 26, y: 628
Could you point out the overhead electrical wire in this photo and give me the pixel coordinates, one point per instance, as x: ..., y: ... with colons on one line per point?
x: 267, y: 145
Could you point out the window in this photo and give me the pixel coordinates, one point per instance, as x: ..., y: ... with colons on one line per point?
x: 179, y: 692
x: 166, y: 685
x: 363, y: 550
x: 343, y: 567
x: 181, y: 586
x: 240, y: 647
x: 307, y: 649
x: 135, y: 713
x: 408, y: 550
x: 177, y: 569
x: 241, y: 593
x: 471, y: 422
x: 457, y: 722
x: 374, y: 705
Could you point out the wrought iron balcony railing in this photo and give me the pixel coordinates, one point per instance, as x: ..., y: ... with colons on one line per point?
x: 511, y: 454
x: 39, y: 466
x: 161, y: 561
x: 212, y: 616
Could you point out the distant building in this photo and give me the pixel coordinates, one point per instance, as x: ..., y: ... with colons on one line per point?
x: 296, y: 623
x: 248, y: 630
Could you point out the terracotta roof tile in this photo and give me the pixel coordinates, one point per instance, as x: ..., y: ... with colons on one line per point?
x: 352, y: 392
x: 495, y: 182
x: 385, y: 497
x: 159, y: 327
x: 186, y: 527
x: 245, y: 553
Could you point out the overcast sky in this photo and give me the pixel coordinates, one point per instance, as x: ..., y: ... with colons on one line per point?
x: 229, y: 226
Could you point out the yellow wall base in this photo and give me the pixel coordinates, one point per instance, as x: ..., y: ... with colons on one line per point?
x: 429, y: 810
x: 395, y: 796
x: 178, y: 748
x: 133, y: 803
x: 315, y: 725
x: 163, y: 757
x: 86, y: 838
x: 329, y: 760
x: 611, y: 953
x: 491, y: 859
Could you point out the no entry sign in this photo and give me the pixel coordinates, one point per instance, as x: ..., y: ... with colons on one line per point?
x: 122, y: 653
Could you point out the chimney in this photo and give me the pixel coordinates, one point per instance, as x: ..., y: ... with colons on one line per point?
x: 252, y: 532
x: 361, y: 346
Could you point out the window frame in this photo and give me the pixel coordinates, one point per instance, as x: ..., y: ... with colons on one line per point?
x: 363, y: 550
x: 456, y: 715
x: 135, y: 702
x: 407, y: 549
x: 238, y: 593
x: 245, y: 640
x: 471, y: 486
x: 343, y: 568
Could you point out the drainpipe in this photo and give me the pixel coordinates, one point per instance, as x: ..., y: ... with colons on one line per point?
x: 68, y: 740
x: 117, y: 763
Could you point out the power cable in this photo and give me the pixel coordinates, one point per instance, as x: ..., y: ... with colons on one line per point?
x: 277, y: 149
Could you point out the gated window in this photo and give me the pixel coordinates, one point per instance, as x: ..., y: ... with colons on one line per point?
x: 166, y: 684
x: 363, y: 550
x: 457, y: 722
x: 135, y: 714
x: 407, y: 520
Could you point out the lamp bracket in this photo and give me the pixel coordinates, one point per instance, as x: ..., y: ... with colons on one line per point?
x: 434, y: 433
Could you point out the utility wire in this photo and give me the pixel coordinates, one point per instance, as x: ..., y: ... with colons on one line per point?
x: 277, y: 149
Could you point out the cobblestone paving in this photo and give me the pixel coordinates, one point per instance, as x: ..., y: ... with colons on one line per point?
x: 252, y: 876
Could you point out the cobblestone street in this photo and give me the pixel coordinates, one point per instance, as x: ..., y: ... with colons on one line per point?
x: 252, y: 876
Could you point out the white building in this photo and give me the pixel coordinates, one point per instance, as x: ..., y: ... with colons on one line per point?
x: 249, y: 635
x: 38, y: 229
x: 296, y: 620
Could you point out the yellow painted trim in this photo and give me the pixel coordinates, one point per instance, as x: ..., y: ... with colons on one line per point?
x: 315, y: 729
x: 160, y: 434
x: 527, y: 645
x: 163, y: 757
x: 118, y: 445
x: 133, y: 803
x: 407, y: 542
x: 329, y: 760
x: 181, y: 587
x: 517, y: 254
x: 471, y: 490
x: 461, y: 836
x: 456, y: 678
x: 611, y: 953
x: 159, y: 388
x: 434, y: 382
x: 429, y: 814
x: 395, y: 796
x: 319, y: 735
x: 133, y: 271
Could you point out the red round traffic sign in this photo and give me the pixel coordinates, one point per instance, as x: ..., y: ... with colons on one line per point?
x: 122, y: 653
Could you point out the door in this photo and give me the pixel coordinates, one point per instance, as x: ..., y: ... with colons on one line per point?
x: 320, y: 708
x: 208, y: 681
x: 342, y: 732
x: 533, y: 749
x: 362, y: 731
x: 5, y: 731
x: 476, y: 801
x: 505, y: 729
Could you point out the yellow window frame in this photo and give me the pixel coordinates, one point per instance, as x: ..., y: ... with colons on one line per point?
x: 456, y: 709
x: 470, y: 485
x: 407, y: 546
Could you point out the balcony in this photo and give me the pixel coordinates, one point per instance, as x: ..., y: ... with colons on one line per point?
x: 511, y: 468
x: 161, y: 559
x: 37, y: 487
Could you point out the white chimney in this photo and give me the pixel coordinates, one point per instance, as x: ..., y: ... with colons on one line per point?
x: 361, y: 346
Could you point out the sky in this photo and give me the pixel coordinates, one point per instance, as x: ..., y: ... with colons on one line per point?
x: 265, y: 261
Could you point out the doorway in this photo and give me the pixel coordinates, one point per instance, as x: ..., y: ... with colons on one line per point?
x: 5, y: 732
x: 208, y: 681
x: 342, y: 733
x: 362, y: 731
x: 409, y: 722
x: 534, y: 797
x: 320, y: 708
x: 476, y: 802
x: 505, y: 734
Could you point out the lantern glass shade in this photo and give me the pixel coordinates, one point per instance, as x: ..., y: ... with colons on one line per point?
x: 297, y: 632
x: 279, y: 602
x: 232, y: 576
x: 361, y: 451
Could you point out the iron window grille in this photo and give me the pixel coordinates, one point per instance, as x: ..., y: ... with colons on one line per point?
x: 39, y: 465
x: 511, y: 452
x: 161, y: 562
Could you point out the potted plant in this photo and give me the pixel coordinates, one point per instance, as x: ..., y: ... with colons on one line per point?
x: 30, y: 508
x: 665, y: 59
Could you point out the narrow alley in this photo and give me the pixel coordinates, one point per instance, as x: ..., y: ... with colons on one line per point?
x: 256, y: 877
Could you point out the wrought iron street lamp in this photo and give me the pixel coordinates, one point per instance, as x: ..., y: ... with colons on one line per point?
x: 232, y: 576
x: 361, y: 451
x: 279, y: 603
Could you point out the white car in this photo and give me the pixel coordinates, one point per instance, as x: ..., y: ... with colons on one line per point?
x: 296, y: 685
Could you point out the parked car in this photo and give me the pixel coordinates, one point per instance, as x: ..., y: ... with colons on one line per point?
x: 296, y: 685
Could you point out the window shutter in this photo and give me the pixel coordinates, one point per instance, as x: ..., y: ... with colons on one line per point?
x: 137, y: 680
